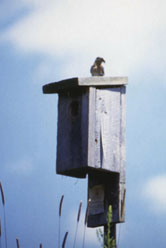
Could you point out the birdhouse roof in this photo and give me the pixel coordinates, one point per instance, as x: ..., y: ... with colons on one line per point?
x: 60, y: 86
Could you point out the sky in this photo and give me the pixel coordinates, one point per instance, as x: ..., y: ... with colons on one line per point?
x: 46, y: 41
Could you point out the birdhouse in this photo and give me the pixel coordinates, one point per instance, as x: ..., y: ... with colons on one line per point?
x: 91, y: 125
x: 91, y: 139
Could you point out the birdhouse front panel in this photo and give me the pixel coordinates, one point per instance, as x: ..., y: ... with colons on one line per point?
x: 72, y: 133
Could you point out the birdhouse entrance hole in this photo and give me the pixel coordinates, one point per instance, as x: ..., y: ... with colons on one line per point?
x: 74, y: 108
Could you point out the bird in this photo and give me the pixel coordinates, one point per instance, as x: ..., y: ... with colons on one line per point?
x: 97, y: 69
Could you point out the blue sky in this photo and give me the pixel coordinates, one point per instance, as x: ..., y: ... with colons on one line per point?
x: 44, y: 41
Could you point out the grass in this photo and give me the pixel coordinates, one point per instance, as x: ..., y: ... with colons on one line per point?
x: 17, y: 243
x: 3, y: 203
x: 108, y: 241
x: 85, y: 222
x: 60, y: 213
x: 64, y: 240
x: 78, y: 218
x: 0, y: 229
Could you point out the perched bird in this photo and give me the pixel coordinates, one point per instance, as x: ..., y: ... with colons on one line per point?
x: 97, y: 69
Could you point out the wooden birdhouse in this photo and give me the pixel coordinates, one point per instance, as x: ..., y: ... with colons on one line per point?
x: 91, y: 139
x: 91, y: 125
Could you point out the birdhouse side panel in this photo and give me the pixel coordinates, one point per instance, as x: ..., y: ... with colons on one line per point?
x: 107, y: 129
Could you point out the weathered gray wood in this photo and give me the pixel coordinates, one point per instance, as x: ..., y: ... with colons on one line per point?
x: 105, y: 189
x: 95, y: 137
x: 109, y: 183
x: 60, y: 86
x: 102, y: 81
x: 108, y: 129
x: 122, y: 198
x: 122, y: 135
x: 57, y: 87
x: 91, y: 127
x: 84, y: 128
x: 72, y: 133
x: 91, y: 139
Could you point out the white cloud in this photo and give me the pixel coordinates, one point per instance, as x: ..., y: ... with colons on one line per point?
x: 44, y: 71
x: 125, y: 33
x: 23, y: 166
x: 155, y: 193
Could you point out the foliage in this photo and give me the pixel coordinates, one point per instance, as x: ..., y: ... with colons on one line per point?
x: 108, y: 241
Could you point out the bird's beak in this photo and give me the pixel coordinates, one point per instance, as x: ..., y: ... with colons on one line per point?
x: 103, y: 60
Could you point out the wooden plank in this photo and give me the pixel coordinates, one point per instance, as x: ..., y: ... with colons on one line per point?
x: 60, y: 86
x: 84, y: 128
x: 122, y: 134
x: 91, y: 127
x: 68, y: 148
x: 122, y: 198
x: 102, y: 81
x: 57, y: 87
x: 107, y: 133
